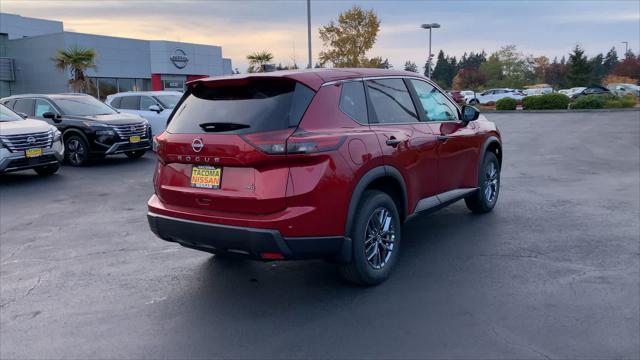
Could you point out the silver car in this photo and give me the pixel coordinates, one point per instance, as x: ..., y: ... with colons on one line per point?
x: 28, y: 144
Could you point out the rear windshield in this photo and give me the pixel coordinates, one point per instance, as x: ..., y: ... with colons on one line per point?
x: 256, y: 105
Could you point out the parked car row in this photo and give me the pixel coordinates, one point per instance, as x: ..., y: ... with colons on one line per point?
x: 491, y: 96
x: 87, y: 128
x: 622, y: 89
x: 239, y: 147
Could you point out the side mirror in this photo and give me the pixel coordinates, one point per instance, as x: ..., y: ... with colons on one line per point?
x: 469, y: 113
x: 155, y: 108
x: 51, y: 115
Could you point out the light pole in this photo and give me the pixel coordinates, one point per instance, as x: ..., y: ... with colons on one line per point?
x: 429, y: 27
x: 309, y: 65
x: 626, y: 48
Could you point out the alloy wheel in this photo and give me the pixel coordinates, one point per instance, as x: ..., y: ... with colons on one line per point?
x: 76, y: 151
x: 491, y: 182
x: 379, y: 238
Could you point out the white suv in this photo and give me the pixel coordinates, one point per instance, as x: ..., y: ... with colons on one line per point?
x: 492, y: 95
x: 155, y: 106
x: 28, y: 144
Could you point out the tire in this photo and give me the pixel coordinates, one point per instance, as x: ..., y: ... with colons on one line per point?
x: 136, y: 154
x: 373, y: 260
x: 47, y: 170
x: 485, y: 199
x: 76, y: 151
x: 473, y: 102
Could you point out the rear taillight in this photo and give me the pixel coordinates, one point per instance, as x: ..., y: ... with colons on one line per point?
x: 286, y: 142
x: 305, y: 143
x: 270, y: 142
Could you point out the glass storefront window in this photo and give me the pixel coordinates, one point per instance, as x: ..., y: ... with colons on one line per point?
x: 102, y: 87
x: 126, y: 85
x: 106, y: 87
x: 93, y: 87
x: 173, y: 85
x: 143, y: 85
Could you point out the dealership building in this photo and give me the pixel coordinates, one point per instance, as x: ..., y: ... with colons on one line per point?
x: 28, y: 45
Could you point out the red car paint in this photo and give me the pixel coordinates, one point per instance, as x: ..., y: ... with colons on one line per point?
x: 311, y: 194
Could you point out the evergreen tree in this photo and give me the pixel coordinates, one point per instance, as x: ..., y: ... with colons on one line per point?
x: 410, y: 66
x: 492, y: 70
x: 385, y: 64
x: 610, y: 60
x: 453, y: 68
x: 472, y: 60
x: 579, y: 68
x: 598, y: 70
x: 441, y: 71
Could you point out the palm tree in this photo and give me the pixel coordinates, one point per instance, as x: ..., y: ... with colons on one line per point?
x: 77, y: 60
x: 257, y: 60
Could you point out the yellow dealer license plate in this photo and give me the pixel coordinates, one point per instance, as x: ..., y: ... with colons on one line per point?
x: 31, y: 153
x: 134, y: 139
x: 207, y: 177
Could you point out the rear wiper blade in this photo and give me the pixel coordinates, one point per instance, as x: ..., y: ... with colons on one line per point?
x: 222, y: 126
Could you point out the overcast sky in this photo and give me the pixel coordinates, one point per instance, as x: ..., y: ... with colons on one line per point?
x: 540, y: 27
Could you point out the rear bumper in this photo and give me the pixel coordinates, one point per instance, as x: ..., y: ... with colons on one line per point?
x: 261, y: 244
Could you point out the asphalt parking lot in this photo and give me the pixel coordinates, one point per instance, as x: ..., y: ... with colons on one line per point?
x: 553, y: 272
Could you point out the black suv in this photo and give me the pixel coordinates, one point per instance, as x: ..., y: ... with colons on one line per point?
x: 89, y: 127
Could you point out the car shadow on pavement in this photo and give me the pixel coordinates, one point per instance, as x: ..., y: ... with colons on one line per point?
x: 28, y: 177
x: 264, y: 299
x: 119, y: 160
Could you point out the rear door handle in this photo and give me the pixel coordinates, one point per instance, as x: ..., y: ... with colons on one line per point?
x: 393, y: 142
x: 442, y: 138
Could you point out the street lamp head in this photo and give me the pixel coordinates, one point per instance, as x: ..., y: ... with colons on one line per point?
x: 430, y: 26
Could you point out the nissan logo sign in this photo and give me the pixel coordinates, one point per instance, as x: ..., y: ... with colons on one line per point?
x: 179, y: 59
x: 31, y: 140
x: 197, y: 145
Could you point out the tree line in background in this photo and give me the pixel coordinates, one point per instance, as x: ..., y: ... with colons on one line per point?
x: 347, y: 41
x: 509, y: 68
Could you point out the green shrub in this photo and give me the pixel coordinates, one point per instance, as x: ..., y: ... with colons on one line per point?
x: 552, y: 101
x: 626, y: 101
x: 506, y: 104
x: 591, y: 102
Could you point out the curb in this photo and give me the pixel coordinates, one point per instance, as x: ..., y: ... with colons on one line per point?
x: 555, y: 111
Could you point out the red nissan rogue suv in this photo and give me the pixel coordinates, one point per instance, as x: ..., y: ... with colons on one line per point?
x: 317, y: 164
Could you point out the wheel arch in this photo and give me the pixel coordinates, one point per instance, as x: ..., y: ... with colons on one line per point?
x: 74, y: 131
x: 384, y: 178
x: 492, y: 144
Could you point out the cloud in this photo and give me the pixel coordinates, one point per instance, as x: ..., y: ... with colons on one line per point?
x: 242, y: 27
x: 594, y: 17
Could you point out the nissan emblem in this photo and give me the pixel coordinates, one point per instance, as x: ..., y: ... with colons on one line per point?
x: 197, y: 145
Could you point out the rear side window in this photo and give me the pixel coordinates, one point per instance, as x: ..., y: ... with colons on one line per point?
x: 130, y: 103
x: 391, y: 101
x: 24, y: 106
x: 353, y: 101
x: 245, y: 107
